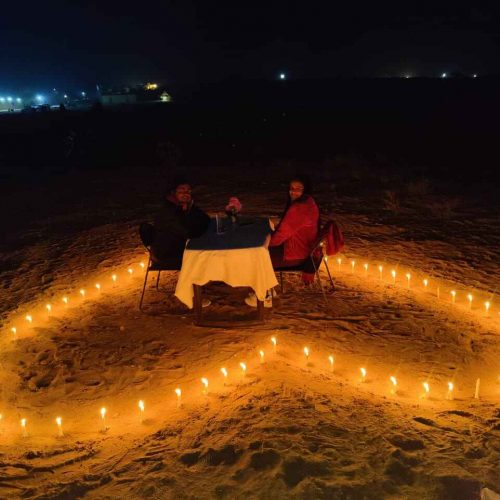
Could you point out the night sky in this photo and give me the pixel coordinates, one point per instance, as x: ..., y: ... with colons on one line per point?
x: 49, y: 44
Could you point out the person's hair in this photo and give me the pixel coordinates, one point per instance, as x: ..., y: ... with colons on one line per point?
x: 305, y: 180
x: 177, y: 180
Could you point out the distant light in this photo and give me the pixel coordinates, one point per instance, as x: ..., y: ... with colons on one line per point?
x: 2, y: 99
x: 444, y: 75
x: 151, y: 86
x: 407, y: 76
x: 65, y: 96
x: 9, y: 99
x: 474, y: 75
x: 282, y: 76
x: 83, y: 94
x: 54, y: 90
x: 18, y: 99
x: 39, y: 97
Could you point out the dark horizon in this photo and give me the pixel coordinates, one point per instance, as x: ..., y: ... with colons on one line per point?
x: 79, y: 45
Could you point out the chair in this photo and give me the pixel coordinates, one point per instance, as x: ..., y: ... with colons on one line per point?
x: 313, y: 262
x: 146, y: 233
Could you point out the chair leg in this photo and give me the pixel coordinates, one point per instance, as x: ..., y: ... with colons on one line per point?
x: 158, y: 280
x: 144, y: 288
x: 330, y: 276
x: 316, y: 272
x: 281, y: 283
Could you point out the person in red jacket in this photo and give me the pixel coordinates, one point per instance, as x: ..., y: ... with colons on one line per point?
x: 295, y: 236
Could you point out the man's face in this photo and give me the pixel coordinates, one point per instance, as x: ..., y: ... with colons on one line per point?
x: 296, y: 190
x: 183, y: 194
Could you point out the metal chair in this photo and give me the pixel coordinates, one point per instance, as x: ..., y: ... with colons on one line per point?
x: 146, y: 232
x: 313, y: 262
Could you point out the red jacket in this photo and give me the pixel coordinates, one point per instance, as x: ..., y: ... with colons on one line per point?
x: 298, y: 229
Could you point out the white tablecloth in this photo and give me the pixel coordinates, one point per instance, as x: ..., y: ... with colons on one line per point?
x: 241, y: 267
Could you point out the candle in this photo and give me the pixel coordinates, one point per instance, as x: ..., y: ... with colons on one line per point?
x: 478, y: 383
x: 14, y: 331
x: 449, y: 394
x: 380, y: 269
x: 365, y: 265
x: 353, y: 263
x: 426, y: 390
x: 408, y: 277
x: 82, y: 292
x: 339, y: 262
x: 331, y: 360
x: 23, y: 427
x: 261, y: 354
x: 98, y: 286
x: 204, y: 381
x: 426, y: 282
x: 178, y: 392
x: 141, y: 409
x: 59, y: 426
x: 130, y: 271
x: 453, y: 295
x: 65, y: 300
x: 363, y: 374
x: 394, y: 383
x: 469, y: 298
x: 114, y: 277
x: 103, y: 418
x: 487, y: 307
x: 393, y: 273
x: 29, y: 319
x: 224, y: 374
x: 274, y: 342
x: 243, y: 367
x: 49, y: 308
x: 306, y: 352
x: 142, y: 265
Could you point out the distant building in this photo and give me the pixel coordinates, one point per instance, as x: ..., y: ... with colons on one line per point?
x: 117, y: 99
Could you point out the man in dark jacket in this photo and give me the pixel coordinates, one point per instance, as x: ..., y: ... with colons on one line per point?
x: 176, y: 222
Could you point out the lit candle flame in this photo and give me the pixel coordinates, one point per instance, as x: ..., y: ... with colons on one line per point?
x: 142, y: 265
x: 59, y: 426
x: 65, y: 300
x: 130, y: 270
x: 141, y: 405
x: 98, y: 286
x: 353, y: 263
x: 274, y: 342
x: 469, y: 298
x: 453, y: 295
x: 113, y: 277
x: 14, y: 330
x: 426, y: 389
x: 261, y: 354
x: 487, y: 306
x: 224, y: 372
x: 393, y: 380
x: 408, y: 277
x: 365, y: 265
x: 393, y: 273
x: 29, y: 319
x: 426, y: 282
x: 339, y: 261
x: 82, y: 292
x: 380, y: 269
x: 331, y: 360
x: 449, y: 394
x: 363, y: 374
x: 306, y: 352
x: 243, y: 368
x: 23, y: 427
x: 178, y: 392
x: 48, y: 307
x: 204, y: 381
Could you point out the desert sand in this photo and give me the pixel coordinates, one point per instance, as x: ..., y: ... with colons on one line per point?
x: 290, y: 427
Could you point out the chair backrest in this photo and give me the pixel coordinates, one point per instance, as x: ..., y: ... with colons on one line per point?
x: 332, y: 238
x: 146, y: 232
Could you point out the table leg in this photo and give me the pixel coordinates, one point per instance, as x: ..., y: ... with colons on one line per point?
x: 260, y: 310
x: 197, y: 303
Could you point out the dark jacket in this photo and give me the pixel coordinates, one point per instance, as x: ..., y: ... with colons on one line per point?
x: 298, y: 229
x: 173, y: 226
